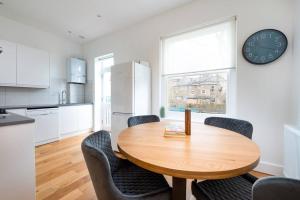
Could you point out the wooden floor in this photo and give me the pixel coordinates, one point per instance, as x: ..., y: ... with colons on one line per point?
x: 61, y: 173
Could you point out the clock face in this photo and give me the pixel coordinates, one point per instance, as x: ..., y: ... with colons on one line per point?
x: 265, y: 46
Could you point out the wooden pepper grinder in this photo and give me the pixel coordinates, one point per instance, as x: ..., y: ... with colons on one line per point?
x: 188, y: 121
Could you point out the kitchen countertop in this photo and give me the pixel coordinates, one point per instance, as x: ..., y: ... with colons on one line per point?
x: 14, y: 119
x: 43, y: 105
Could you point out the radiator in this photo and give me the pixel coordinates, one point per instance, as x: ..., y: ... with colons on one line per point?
x: 291, y: 152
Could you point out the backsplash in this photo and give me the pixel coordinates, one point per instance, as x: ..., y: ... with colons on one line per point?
x: 10, y: 96
x: 75, y: 93
x: 89, y: 89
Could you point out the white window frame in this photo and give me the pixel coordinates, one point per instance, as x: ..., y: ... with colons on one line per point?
x: 199, y: 117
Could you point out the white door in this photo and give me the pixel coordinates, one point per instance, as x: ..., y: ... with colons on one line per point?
x: 106, y: 98
x: 8, y: 63
x: 102, y: 105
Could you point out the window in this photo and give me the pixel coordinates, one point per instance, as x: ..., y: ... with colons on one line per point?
x: 194, y: 91
x: 197, y: 68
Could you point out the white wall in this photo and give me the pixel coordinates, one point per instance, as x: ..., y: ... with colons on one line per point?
x: 263, y: 92
x: 296, y: 68
x: 58, y: 48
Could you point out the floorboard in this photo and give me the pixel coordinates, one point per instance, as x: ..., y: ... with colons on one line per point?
x: 61, y: 173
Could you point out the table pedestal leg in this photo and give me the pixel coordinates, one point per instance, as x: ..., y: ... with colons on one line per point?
x: 179, y: 189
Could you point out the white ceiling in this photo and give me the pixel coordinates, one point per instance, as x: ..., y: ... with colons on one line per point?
x: 80, y: 16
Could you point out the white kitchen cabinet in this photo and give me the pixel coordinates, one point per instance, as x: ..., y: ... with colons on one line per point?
x: 8, y: 63
x: 85, y: 117
x: 67, y: 119
x: 46, y: 124
x: 17, y: 168
x: 33, y: 67
x: 75, y: 119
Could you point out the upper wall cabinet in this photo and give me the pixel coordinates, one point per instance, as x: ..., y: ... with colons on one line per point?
x: 33, y: 67
x: 8, y: 64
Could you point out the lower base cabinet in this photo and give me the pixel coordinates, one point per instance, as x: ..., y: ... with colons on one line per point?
x: 17, y: 168
x: 75, y: 119
x: 72, y: 119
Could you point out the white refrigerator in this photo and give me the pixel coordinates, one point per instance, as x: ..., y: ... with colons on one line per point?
x: 130, y: 95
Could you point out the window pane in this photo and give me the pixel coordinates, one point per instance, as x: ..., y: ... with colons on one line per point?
x: 203, y: 93
x: 209, y: 48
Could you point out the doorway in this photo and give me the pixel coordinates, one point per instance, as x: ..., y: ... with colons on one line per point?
x: 103, y: 90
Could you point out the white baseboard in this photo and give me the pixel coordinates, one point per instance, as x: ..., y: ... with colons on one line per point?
x: 269, y: 168
x: 64, y: 136
x: 46, y: 141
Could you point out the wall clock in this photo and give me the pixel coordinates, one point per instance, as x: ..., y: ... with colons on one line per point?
x: 265, y: 46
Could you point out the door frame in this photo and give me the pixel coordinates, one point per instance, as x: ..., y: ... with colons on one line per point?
x: 103, y: 71
x: 97, y: 90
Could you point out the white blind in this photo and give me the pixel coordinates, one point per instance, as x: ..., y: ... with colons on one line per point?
x: 209, y: 48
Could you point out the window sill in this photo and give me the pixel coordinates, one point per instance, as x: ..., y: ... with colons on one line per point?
x: 199, y: 118
x: 181, y: 120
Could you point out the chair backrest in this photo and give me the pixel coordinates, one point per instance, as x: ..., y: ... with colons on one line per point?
x: 276, y: 188
x: 143, y: 119
x: 240, y: 126
x: 101, y: 163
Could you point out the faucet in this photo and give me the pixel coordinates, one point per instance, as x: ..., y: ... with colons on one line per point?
x: 63, y: 97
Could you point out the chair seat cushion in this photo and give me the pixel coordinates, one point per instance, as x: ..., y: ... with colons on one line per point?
x: 237, y: 188
x: 133, y: 180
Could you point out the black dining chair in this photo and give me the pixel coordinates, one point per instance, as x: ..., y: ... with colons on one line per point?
x: 269, y: 188
x: 240, y: 184
x: 276, y: 188
x: 114, y: 178
x: 142, y: 119
x: 240, y: 126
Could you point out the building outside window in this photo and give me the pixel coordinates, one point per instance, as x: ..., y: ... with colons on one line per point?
x: 198, y: 70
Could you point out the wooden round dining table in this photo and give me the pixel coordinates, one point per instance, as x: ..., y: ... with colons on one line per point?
x: 208, y: 153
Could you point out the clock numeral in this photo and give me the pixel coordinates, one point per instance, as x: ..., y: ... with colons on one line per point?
x: 270, y: 35
x: 263, y: 36
x: 250, y: 55
x: 248, y: 49
x: 270, y: 56
x: 279, y: 44
x: 251, y: 44
x: 277, y: 51
x: 255, y: 39
x: 278, y: 38
x: 263, y: 58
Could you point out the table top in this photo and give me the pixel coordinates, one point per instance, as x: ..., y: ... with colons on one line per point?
x: 209, y: 153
